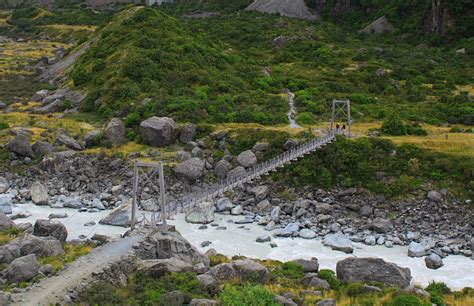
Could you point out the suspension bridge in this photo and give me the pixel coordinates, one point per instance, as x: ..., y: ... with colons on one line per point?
x: 192, y: 201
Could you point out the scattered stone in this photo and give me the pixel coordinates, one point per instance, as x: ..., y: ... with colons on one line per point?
x: 20, y: 145
x: 6, y: 203
x: 369, y: 240
x: 326, y: 302
x: 90, y: 223
x: 58, y: 216
x: 237, y: 210
x: 39, y: 194
x: 416, y: 249
x: 381, y: 225
x: 247, y: 159
x: 119, y: 216
x: 434, y: 196
x: 312, y: 280
x: 223, y: 204
x: 4, y: 184
x: 381, y: 25
x: 42, y: 148
x: 244, y: 270
x: 192, y: 168
x: 41, y: 246
x: 307, y: 234
x: 187, y: 133
x: 222, y: 168
x: 309, y: 266
x: 367, y: 270
x: 262, y: 239
x: 22, y: 269
x: 69, y: 142
x: 201, y: 214
x: 5, y: 222
x: 433, y: 261
x: 203, y: 302
x: 115, y: 131
x: 338, y: 242
x: 205, y: 244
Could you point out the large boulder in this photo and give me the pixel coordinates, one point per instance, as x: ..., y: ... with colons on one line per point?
x: 119, y: 216
x: 381, y: 25
x: 311, y: 265
x: 6, y: 203
x: 20, y: 145
x: 367, y: 270
x: 115, y: 131
x: 192, y: 168
x: 69, y: 142
x: 41, y: 246
x: 22, y: 269
x: 4, y: 184
x: 160, y: 267
x: 187, y: 133
x: 39, y: 194
x: 433, y: 261
x: 312, y: 280
x: 159, y: 132
x: 416, y: 249
x: 47, y: 228
x: 247, y: 159
x: 244, y: 270
x: 201, y: 214
x: 222, y: 168
x: 338, y: 242
x: 381, y: 225
x: 5, y: 222
x: 170, y: 245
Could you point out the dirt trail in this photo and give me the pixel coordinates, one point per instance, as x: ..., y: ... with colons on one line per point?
x: 53, y: 290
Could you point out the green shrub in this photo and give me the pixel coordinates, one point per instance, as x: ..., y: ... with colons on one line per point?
x: 354, y: 289
x: 406, y: 300
x: 437, y: 300
x: 290, y: 270
x: 330, y: 277
x: 132, y: 119
x: 3, y: 125
x: 102, y: 294
x: 306, y: 118
x: 394, y: 126
x: 247, y: 295
x: 438, y: 288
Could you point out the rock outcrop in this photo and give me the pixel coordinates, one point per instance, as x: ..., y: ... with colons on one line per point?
x: 22, y: 269
x: 287, y: 8
x: 47, y: 228
x: 115, y: 132
x: 379, y: 26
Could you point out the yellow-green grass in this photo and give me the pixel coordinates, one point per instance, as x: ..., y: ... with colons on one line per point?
x: 9, y: 235
x: 17, y: 55
x: 72, y: 252
x: 38, y: 124
x: 68, y: 28
x: 461, y: 144
x: 466, y: 88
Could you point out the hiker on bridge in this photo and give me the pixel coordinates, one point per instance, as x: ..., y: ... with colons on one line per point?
x: 338, y: 128
x: 343, y: 131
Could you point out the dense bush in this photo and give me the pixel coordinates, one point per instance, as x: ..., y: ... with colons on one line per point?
x: 330, y: 277
x: 407, y: 300
x: 395, y: 127
x: 247, y: 295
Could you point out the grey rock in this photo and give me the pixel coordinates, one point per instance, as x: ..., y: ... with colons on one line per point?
x: 247, y: 159
x: 5, y: 222
x: 47, y: 228
x: 370, y: 240
x: 281, y: 300
x: 9, y: 252
x: 21, y: 215
x: 236, y: 172
x: 262, y: 239
x: 309, y: 266
x: 416, y: 249
x: 381, y: 25
x: 244, y: 270
x: 115, y: 131
x: 119, y: 216
x: 187, y: 133
x: 260, y: 192
x: 39, y: 95
x: 4, y: 184
x: 366, y: 211
x: 307, y: 234
x: 20, y: 145
x: 22, y: 269
x: 434, y: 196
x: 290, y: 143
x: 222, y: 168
x: 192, y: 168
x: 39, y: 194
x: 433, y: 261
x: 204, y: 302
x: 41, y: 246
x: 69, y: 202
x: 312, y: 280
x: 338, y: 242
x: 264, y: 207
x: 223, y: 204
x: 326, y: 302
x: 208, y: 283
x: 159, y: 267
x: 93, y: 138
x: 46, y: 269
x: 381, y: 225
x: 237, y: 210
x: 69, y: 142
x: 6, y: 203
x: 159, y: 132
x: 42, y: 148
x: 201, y: 214
x: 182, y: 155
x: 366, y: 270
x: 275, y: 214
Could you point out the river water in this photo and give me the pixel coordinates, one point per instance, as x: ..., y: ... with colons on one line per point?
x: 457, y: 272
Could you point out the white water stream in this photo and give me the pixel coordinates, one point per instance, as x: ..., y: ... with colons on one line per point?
x: 457, y: 272
x: 292, y: 113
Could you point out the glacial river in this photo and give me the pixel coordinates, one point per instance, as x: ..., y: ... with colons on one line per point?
x: 457, y: 272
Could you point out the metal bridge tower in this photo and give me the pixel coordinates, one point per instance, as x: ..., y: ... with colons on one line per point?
x: 341, y: 109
